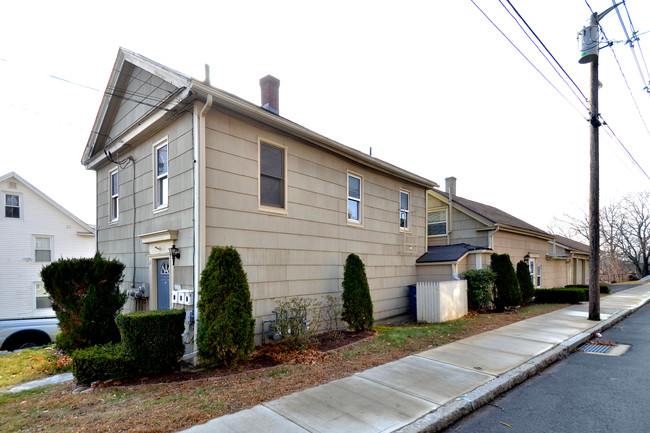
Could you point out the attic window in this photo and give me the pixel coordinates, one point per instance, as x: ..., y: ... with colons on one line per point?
x: 12, y: 206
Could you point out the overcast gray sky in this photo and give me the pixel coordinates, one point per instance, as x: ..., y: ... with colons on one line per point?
x: 433, y: 87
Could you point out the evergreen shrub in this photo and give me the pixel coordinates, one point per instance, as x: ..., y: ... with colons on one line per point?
x: 507, y: 293
x: 573, y: 295
x: 104, y: 362
x: 480, y: 287
x: 525, y: 282
x: 604, y: 288
x: 86, y: 298
x: 357, y: 303
x: 153, y: 340
x: 226, y: 328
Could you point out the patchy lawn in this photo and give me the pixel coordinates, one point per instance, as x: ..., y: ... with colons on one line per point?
x: 174, y: 402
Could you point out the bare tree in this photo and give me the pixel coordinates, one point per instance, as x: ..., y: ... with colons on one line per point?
x: 634, y: 232
x: 624, y: 235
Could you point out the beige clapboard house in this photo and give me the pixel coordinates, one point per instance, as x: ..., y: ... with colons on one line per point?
x: 462, y: 234
x: 183, y: 164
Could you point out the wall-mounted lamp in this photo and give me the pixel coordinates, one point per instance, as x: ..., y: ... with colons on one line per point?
x: 526, y: 258
x: 175, y: 253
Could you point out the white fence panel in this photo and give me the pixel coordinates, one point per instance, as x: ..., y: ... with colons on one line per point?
x: 441, y: 301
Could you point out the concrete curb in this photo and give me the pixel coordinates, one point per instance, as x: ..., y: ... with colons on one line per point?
x: 454, y: 410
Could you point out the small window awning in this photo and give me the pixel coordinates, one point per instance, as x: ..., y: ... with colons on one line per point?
x: 449, y: 253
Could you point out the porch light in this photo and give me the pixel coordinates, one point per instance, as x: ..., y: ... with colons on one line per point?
x: 526, y: 258
x: 175, y: 253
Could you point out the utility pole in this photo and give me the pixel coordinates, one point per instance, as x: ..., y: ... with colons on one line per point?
x: 590, y: 37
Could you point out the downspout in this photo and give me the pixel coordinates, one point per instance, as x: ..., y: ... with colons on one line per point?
x: 451, y: 219
x: 490, y: 242
x: 198, y: 120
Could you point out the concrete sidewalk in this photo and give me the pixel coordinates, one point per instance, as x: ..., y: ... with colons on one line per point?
x: 430, y: 390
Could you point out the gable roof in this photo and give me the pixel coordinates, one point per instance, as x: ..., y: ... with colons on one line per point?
x: 572, y: 245
x: 493, y: 215
x: 188, y: 90
x: 13, y: 175
x: 448, y: 253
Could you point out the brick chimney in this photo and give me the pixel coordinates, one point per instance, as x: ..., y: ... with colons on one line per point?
x: 450, y: 185
x: 270, y: 87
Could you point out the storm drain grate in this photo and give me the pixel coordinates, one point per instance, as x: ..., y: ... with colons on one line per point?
x: 604, y: 348
x: 595, y: 348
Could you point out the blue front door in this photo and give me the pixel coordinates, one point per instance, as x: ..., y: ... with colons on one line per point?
x: 163, y: 284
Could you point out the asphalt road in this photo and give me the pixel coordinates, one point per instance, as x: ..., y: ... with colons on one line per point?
x: 583, y: 393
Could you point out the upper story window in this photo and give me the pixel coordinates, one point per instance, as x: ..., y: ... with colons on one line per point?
x: 42, y: 298
x: 42, y: 249
x: 354, y: 198
x: 114, y: 193
x: 404, y: 209
x: 272, y: 176
x: 437, y: 222
x: 160, y: 171
x: 12, y: 206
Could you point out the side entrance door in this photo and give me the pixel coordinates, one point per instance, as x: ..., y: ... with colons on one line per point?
x: 163, y: 284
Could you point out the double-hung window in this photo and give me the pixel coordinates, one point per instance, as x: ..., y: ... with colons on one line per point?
x: 41, y: 296
x: 12, y: 206
x: 272, y: 176
x: 160, y: 171
x: 404, y: 209
x: 354, y: 198
x: 114, y: 193
x: 437, y: 222
x: 42, y: 249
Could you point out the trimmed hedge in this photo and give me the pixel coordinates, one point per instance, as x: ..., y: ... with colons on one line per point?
x: 153, y: 340
x: 100, y: 363
x: 152, y: 344
x: 572, y: 295
x: 604, y: 288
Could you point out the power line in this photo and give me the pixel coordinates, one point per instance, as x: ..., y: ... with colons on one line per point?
x: 527, y: 59
x: 547, y: 50
x: 611, y: 133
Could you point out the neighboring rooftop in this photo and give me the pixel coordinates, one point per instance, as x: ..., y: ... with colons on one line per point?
x: 496, y: 216
x: 573, y: 245
x: 448, y: 253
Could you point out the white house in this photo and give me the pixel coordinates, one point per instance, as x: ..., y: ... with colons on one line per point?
x: 35, y: 230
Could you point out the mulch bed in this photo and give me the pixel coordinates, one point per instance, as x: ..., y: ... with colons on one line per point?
x: 269, y: 355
